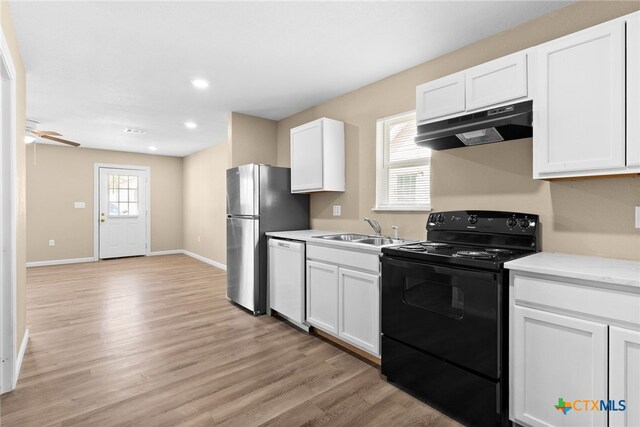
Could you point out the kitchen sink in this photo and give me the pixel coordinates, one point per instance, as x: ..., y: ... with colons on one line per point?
x: 349, y: 237
x: 363, y: 238
x: 379, y: 241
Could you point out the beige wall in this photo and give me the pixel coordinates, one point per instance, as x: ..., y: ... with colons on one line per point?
x: 251, y: 140
x: 64, y: 175
x: 204, y: 186
x: 21, y: 255
x: 592, y: 217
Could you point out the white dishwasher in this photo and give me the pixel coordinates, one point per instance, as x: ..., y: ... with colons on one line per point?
x: 287, y: 280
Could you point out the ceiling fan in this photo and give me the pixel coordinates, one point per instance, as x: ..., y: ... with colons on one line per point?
x: 32, y: 130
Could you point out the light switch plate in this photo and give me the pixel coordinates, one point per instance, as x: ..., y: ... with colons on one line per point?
x: 52, y: 242
x: 79, y: 205
x: 337, y: 210
x: 637, y: 216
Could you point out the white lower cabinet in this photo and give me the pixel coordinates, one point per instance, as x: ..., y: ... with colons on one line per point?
x: 574, y: 331
x: 322, y: 296
x: 343, y: 295
x: 624, y: 376
x: 557, y: 357
x: 359, y: 309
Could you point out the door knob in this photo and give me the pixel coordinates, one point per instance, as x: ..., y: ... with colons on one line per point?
x: 102, y: 220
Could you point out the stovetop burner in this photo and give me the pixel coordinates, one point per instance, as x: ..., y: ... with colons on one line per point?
x: 435, y: 245
x: 474, y: 254
x: 425, y: 246
x: 499, y: 251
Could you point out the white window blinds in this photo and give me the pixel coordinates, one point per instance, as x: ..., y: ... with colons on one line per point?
x: 403, y: 168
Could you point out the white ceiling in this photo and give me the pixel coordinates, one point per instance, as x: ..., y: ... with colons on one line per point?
x: 96, y: 68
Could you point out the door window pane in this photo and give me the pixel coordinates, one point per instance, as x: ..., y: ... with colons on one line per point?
x: 123, y: 195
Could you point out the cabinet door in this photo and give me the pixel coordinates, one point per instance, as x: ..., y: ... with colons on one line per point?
x: 633, y: 90
x: 579, y: 108
x: 322, y: 296
x: 440, y: 98
x: 624, y: 376
x: 307, y: 156
x: 498, y: 81
x: 359, y: 309
x: 557, y: 358
x: 286, y: 278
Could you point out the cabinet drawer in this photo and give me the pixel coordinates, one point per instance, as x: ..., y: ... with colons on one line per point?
x: 498, y: 81
x: 344, y: 257
x: 605, y: 303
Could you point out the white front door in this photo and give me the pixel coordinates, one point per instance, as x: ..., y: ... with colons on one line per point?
x: 123, y: 212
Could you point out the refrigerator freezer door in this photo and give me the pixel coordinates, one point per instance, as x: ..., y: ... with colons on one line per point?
x: 242, y: 262
x: 243, y: 191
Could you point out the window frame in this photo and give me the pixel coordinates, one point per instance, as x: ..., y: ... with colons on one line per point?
x: 383, y: 166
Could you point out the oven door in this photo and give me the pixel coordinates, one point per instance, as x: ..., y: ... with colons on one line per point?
x: 451, y: 313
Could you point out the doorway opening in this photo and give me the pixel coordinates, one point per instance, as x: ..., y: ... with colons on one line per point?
x: 10, y: 364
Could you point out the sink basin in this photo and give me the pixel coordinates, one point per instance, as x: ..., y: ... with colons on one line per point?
x: 379, y: 241
x: 349, y: 237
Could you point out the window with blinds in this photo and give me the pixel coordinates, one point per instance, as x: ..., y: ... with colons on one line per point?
x: 403, y: 168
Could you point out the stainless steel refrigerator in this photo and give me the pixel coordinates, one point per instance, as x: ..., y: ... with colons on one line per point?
x: 259, y: 200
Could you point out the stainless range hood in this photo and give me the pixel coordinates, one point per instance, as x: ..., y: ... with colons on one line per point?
x: 495, y: 125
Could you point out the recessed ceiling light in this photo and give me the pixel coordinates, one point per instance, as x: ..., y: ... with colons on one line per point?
x: 191, y: 125
x: 200, y: 83
x: 152, y: 148
x: 28, y: 139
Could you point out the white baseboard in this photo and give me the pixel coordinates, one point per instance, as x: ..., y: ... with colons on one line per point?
x: 171, y: 252
x: 59, y: 262
x: 156, y: 253
x: 206, y: 260
x: 23, y: 348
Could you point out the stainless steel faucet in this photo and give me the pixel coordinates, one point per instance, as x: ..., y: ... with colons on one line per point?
x: 375, y: 225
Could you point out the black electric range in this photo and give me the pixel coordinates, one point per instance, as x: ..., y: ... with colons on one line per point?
x: 445, y: 309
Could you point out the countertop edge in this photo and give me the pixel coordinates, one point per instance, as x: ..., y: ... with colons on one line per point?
x: 604, y: 270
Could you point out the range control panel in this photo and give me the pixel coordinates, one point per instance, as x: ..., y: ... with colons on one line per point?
x: 484, y: 221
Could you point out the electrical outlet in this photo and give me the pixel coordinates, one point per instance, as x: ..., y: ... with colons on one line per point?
x: 52, y: 242
x: 337, y: 210
x: 198, y: 239
x: 637, y: 216
x: 79, y: 205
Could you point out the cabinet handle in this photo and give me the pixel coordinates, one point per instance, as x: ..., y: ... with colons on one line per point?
x: 284, y: 245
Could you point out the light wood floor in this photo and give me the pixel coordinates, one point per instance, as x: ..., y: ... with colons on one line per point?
x: 153, y: 341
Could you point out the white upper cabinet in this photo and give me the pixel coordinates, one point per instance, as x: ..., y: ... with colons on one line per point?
x: 633, y: 90
x: 490, y: 84
x: 317, y: 156
x: 440, y: 98
x: 498, y: 81
x: 579, y: 104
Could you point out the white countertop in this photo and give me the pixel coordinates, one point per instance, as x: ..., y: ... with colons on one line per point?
x: 302, y: 235
x: 604, y: 270
x: 309, y: 236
